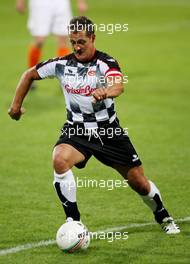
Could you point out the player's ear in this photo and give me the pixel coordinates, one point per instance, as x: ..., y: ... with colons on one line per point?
x: 93, y: 37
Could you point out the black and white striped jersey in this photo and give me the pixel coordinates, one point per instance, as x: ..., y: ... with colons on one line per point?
x: 78, y: 81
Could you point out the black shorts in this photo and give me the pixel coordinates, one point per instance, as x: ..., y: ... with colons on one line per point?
x: 109, y: 144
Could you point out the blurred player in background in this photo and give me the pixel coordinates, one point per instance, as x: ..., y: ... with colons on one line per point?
x: 45, y: 17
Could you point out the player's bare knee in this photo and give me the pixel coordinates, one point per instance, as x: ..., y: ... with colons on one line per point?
x: 60, y: 164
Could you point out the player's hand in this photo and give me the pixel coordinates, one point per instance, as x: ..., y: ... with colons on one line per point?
x: 99, y: 94
x: 16, y: 114
x: 82, y: 7
x: 20, y: 6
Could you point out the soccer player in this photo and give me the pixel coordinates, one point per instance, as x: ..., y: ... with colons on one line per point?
x: 45, y: 17
x: 90, y: 80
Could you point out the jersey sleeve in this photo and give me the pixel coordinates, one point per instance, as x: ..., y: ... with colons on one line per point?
x: 109, y: 67
x: 46, y: 69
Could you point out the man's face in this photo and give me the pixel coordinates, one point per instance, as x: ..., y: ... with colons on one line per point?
x: 83, y: 45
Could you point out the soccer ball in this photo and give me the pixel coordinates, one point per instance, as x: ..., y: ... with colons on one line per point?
x: 72, y: 236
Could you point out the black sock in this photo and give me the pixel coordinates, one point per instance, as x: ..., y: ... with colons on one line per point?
x: 70, y: 208
x: 160, y: 212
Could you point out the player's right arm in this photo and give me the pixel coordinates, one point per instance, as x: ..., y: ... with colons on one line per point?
x: 15, y: 111
x: 20, y: 6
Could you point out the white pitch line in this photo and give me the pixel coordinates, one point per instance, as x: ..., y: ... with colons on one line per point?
x: 26, y: 246
x: 44, y: 243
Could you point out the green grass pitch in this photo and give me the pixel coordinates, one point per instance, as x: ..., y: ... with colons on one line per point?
x: 154, y: 53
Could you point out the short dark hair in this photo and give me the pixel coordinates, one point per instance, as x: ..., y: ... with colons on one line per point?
x: 81, y: 23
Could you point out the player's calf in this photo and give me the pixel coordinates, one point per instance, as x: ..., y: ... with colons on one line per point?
x: 154, y: 201
x: 151, y: 197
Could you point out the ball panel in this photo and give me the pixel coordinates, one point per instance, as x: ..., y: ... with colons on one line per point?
x: 72, y: 236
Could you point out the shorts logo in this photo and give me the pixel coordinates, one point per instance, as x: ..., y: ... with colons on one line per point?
x: 135, y: 158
